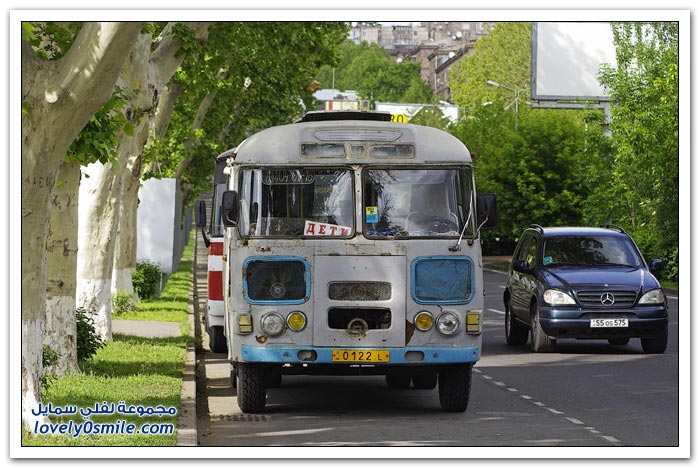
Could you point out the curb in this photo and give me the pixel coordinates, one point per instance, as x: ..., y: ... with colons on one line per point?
x: 187, y: 418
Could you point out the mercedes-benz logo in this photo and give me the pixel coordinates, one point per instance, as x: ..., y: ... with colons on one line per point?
x: 607, y: 299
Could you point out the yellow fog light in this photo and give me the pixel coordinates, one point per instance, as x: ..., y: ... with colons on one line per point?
x: 474, y: 322
x: 423, y: 321
x: 296, y: 321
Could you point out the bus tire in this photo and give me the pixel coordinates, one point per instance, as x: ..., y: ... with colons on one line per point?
x: 454, y: 387
x: 217, y: 339
x: 252, y: 388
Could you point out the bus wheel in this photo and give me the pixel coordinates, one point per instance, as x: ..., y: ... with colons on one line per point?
x: 425, y: 381
x: 217, y: 339
x: 252, y: 388
x: 454, y: 386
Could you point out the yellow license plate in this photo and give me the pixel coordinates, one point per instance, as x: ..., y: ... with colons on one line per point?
x: 360, y: 355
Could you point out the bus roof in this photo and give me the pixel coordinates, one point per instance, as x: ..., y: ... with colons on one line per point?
x: 350, y: 141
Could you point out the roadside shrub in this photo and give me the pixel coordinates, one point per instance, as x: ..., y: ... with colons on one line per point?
x: 49, y: 358
x: 146, y: 279
x: 671, y: 270
x: 123, y: 302
x: 88, y: 341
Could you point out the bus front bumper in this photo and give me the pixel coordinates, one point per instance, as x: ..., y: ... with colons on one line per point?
x: 310, y: 355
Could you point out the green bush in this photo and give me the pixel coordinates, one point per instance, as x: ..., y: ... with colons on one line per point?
x: 49, y: 358
x: 146, y: 279
x: 671, y: 269
x: 88, y: 341
x: 123, y: 302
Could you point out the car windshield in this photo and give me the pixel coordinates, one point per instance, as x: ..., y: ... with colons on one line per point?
x: 408, y: 203
x: 296, y: 202
x: 596, y: 250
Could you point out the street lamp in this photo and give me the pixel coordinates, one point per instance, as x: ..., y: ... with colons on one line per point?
x: 516, y: 93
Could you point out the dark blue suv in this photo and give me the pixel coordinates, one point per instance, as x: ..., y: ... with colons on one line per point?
x: 583, y: 283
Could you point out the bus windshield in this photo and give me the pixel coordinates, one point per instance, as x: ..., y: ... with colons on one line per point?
x: 296, y: 202
x: 417, y: 203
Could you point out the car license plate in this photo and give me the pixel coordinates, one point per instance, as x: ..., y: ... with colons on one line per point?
x: 609, y: 323
x: 360, y: 355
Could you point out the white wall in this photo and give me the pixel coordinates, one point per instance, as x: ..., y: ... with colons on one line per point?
x: 158, y: 223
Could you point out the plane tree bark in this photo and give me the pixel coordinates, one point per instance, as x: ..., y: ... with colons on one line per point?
x: 58, y: 99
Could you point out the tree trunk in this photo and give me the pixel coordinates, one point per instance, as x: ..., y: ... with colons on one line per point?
x: 61, y: 263
x: 125, y: 248
x: 59, y: 98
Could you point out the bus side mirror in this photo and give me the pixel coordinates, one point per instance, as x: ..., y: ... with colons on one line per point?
x: 200, y: 214
x: 229, y: 208
x: 486, y: 213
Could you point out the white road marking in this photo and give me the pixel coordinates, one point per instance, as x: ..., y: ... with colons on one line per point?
x: 578, y: 422
x: 496, y: 311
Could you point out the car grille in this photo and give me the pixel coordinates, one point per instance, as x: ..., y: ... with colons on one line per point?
x: 359, y: 291
x: 594, y: 299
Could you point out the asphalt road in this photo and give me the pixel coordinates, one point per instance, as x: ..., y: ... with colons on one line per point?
x: 585, y: 394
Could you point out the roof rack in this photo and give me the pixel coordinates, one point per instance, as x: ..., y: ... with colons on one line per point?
x: 613, y: 227
x: 323, y: 116
x: 538, y: 227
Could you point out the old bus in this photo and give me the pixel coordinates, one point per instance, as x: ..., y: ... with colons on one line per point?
x: 213, y: 235
x: 351, y: 247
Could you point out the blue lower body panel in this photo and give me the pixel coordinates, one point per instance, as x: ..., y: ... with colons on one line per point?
x: 417, y: 356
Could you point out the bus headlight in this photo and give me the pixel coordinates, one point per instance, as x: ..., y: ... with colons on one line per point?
x: 447, y: 323
x: 296, y: 321
x: 272, y: 324
x: 423, y: 320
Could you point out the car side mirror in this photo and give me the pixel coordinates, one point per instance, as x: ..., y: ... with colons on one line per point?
x: 521, y: 266
x: 656, y: 266
x: 229, y: 208
x: 200, y: 214
x: 486, y: 213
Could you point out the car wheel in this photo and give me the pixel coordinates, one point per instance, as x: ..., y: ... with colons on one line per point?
x: 656, y: 345
x: 454, y: 387
x: 252, y: 390
x: 618, y: 341
x: 539, y: 342
x: 217, y: 339
x: 516, y: 333
x: 398, y: 381
x: 425, y: 381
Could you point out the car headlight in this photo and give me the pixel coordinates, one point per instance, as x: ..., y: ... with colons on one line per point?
x: 423, y: 320
x: 272, y: 324
x: 655, y: 296
x: 447, y: 323
x: 556, y: 297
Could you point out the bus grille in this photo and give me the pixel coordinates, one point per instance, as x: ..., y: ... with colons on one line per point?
x: 359, y: 291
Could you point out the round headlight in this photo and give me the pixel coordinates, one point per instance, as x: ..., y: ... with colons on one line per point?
x: 296, y: 321
x: 423, y: 320
x: 272, y: 324
x: 447, y: 323
x: 278, y: 290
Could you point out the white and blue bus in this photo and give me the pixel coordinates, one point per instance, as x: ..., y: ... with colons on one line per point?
x: 351, y: 247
